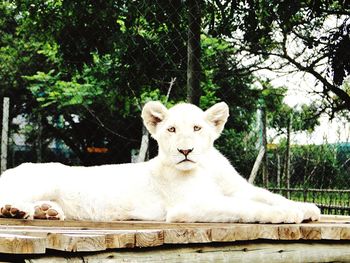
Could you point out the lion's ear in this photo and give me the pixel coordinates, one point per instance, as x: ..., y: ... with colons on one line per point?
x: 153, y: 113
x: 217, y: 116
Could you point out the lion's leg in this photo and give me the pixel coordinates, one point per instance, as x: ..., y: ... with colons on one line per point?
x: 19, y: 194
x: 225, y: 209
x: 14, y: 202
x: 38, y: 210
x: 48, y: 210
x: 22, y: 202
x: 310, y: 211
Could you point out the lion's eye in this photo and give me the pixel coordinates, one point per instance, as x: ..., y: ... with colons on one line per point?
x: 172, y: 129
x: 197, y: 128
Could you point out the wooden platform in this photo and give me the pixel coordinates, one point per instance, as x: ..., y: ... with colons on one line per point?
x: 35, y: 241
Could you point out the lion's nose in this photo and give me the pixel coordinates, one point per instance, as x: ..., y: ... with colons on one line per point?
x: 185, y: 152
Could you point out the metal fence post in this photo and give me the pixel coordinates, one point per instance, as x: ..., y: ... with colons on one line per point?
x: 4, y: 133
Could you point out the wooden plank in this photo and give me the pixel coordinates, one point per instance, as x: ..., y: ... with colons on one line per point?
x: 245, y: 232
x: 76, y: 242
x: 311, y: 232
x: 66, y: 240
x: 121, y: 240
x: 269, y: 232
x: 345, y: 232
x: 185, y: 236
x: 262, y: 252
x: 149, y: 238
x: 96, y: 236
x: 289, y: 232
x: 4, y: 222
x: 331, y: 232
x: 334, y: 219
x: 236, y: 232
x: 19, y: 244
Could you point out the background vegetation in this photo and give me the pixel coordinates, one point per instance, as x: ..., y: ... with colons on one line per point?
x: 78, y: 72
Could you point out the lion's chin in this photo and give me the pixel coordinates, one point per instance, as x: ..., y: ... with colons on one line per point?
x: 186, y: 166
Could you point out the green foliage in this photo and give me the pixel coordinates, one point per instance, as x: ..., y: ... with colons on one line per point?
x: 314, y: 166
x: 212, y: 48
x: 154, y: 94
x: 222, y: 82
x: 88, y: 67
x: 279, y: 113
x: 301, y: 119
x: 296, y: 34
x: 50, y: 90
x: 239, y: 148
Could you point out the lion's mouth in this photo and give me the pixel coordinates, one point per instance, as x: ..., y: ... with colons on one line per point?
x: 186, y: 160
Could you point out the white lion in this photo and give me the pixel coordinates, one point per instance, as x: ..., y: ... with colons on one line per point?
x: 189, y: 181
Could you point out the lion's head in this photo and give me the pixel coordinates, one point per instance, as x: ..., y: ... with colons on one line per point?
x: 184, y: 132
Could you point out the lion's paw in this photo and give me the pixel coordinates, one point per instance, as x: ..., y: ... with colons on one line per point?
x: 310, y: 211
x: 281, y: 214
x: 48, y: 210
x: 18, y: 211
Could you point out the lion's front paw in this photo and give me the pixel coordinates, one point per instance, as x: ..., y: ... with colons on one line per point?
x: 18, y: 211
x: 310, y: 211
x: 48, y: 210
x: 282, y: 214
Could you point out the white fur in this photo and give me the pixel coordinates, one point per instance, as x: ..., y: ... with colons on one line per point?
x: 205, y: 189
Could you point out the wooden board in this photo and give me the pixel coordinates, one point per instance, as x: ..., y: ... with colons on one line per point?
x: 253, y: 251
x: 35, y: 237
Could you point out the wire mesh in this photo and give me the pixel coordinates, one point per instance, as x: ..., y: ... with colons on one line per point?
x: 128, y: 52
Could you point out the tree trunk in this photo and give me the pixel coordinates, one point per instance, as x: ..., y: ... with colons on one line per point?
x: 278, y: 170
x: 4, y: 133
x: 261, y: 159
x: 256, y: 166
x: 142, y: 156
x: 264, y: 145
x: 193, y: 52
x: 287, y: 159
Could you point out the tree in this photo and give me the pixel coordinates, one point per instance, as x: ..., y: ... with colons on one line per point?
x: 283, y: 120
x: 291, y: 36
x: 88, y: 64
x: 86, y: 67
x: 194, y: 51
x: 220, y: 82
x: 93, y: 64
x: 19, y: 55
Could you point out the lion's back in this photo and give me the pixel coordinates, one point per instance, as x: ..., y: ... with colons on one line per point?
x: 73, y: 180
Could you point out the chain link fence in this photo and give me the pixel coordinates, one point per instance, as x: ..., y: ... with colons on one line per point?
x: 118, y: 55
